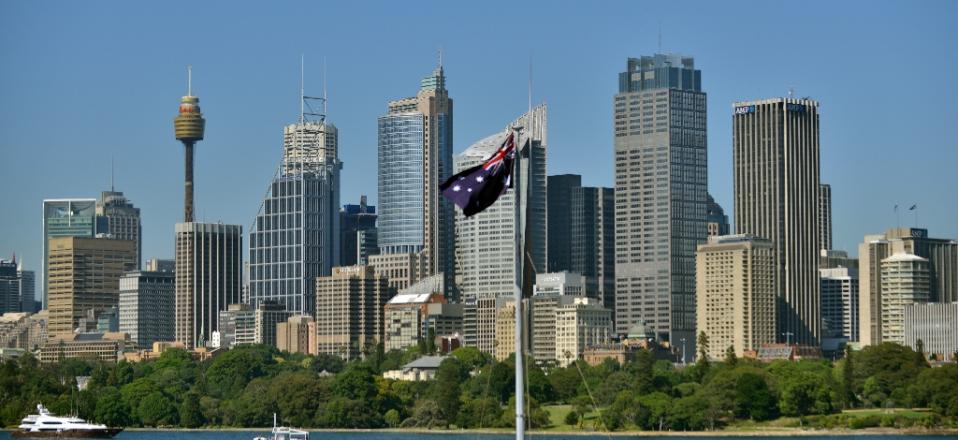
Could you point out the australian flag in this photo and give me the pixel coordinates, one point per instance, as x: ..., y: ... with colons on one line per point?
x: 477, y: 188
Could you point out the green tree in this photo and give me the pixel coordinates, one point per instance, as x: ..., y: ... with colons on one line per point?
x: 754, y: 399
x: 571, y: 418
x: 356, y: 383
x: 344, y: 413
x: 848, y: 378
x: 191, y: 415
x: 480, y: 413
x: 703, y: 344
x: 660, y: 407
x: 231, y: 371
x: 392, y: 418
x: 111, y: 410
x: 157, y: 410
x: 730, y: 359
x: 446, y: 387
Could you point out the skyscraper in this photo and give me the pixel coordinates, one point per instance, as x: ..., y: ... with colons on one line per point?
x: 735, y: 294
x: 209, y: 277
x: 942, y: 256
x: 85, y: 278
x: 486, y: 242
x: 716, y: 220
x: 839, y: 303
x: 559, y: 220
x: 825, y: 216
x: 296, y: 236
x: 349, y: 311
x: 415, y: 156
x: 358, y: 238
x: 581, y: 234
x: 28, y: 281
x: 118, y: 217
x: 65, y: 218
x: 146, y: 309
x: 661, y: 182
x: 776, y: 151
x: 904, y: 281
x: 10, y: 301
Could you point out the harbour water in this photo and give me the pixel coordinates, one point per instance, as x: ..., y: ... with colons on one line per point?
x: 365, y: 435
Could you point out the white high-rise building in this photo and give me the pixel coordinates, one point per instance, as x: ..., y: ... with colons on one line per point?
x: 905, y: 280
x: 485, y: 242
x: 147, y: 307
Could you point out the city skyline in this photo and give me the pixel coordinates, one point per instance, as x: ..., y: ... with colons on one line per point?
x: 484, y: 95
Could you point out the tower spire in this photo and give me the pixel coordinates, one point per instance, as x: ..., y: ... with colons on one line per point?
x: 302, y: 89
x: 112, y: 169
x: 189, y: 80
x: 324, y: 87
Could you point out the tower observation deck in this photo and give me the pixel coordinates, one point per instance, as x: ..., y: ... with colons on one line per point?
x: 189, y: 126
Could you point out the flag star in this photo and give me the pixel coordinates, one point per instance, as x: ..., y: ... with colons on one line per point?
x: 456, y: 188
x: 469, y: 189
x: 479, y: 179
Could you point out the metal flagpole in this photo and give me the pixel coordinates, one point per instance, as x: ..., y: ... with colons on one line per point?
x: 519, y: 224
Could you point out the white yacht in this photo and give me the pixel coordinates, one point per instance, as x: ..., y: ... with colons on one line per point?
x: 46, y: 424
x: 284, y: 433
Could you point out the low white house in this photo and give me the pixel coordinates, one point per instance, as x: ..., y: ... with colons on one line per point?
x: 420, y: 369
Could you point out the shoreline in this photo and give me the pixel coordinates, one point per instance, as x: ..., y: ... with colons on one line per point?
x: 777, y: 432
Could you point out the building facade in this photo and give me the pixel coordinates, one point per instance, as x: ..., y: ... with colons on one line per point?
x: 661, y: 180
x: 936, y: 326
x: 358, y: 238
x: 209, y: 277
x: 415, y: 156
x: 776, y: 155
x: 84, y: 278
x: 942, y: 255
x: 295, y: 237
x: 580, y: 324
x: 905, y: 280
x: 117, y: 217
x: 839, y: 287
x: 401, y: 270
x: 65, y: 218
x: 146, y: 307
x: 297, y: 335
x: 486, y: 242
x: 715, y: 218
x: 28, y: 282
x: 735, y: 293
x: 825, y: 216
x: 349, y: 311
x: 10, y: 301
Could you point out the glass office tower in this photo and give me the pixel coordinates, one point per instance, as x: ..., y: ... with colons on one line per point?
x: 296, y: 234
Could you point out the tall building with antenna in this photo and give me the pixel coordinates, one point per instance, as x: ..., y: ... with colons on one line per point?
x: 415, y: 156
x: 295, y: 236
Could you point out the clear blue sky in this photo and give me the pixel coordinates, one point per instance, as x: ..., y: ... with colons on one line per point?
x: 83, y: 81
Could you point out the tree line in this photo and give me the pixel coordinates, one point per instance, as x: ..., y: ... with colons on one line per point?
x: 244, y: 386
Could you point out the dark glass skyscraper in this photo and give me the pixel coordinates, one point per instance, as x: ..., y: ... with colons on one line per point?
x: 660, y: 194
x: 358, y: 233
x: 581, y: 234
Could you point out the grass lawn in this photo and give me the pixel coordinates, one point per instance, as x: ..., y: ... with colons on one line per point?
x: 558, y: 413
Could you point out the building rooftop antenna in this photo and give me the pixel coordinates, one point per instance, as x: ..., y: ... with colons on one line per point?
x: 189, y: 80
x: 112, y: 170
x: 324, y: 86
x: 302, y: 89
x: 660, y: 37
